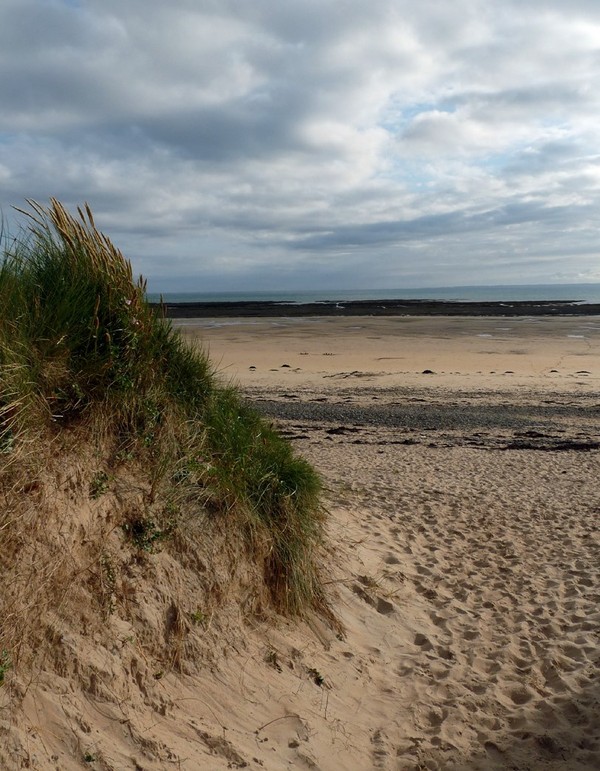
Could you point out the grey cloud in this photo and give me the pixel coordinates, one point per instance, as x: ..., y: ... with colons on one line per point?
x: 547, y: 157
x: 540, y: 99
x: 264, y: 141
x: 436, y: 226
x: 243, y: 128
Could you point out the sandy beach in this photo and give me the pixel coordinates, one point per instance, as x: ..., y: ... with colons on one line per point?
x: 463, y: 353
x: 461, y: 463
x: 460, y: 459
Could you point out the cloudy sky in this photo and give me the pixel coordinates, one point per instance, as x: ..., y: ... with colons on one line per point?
x: 273, y: 144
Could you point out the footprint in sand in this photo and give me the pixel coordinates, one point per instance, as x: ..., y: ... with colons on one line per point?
x: 422, y: 642
x: 519, y: 694
x: 379, y: 752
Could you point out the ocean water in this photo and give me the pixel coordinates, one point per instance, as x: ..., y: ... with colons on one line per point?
x: 583, y: 293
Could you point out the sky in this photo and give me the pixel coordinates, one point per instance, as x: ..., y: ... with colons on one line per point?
x: 231, y: 145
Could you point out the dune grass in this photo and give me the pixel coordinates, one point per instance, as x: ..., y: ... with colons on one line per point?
x: 77, y: 338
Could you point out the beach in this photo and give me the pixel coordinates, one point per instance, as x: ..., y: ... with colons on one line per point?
x: 471, y: 353
x: 461, y: 461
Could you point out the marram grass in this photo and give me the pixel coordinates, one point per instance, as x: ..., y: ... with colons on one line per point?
x: 77, y: 337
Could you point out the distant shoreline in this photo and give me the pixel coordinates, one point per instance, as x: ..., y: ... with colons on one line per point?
x: 270, y: 309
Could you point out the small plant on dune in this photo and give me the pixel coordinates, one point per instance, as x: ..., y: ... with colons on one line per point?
x: 198, y: 617
x: 99, y: 484
x: 5, y: 665
x: 146, y: 534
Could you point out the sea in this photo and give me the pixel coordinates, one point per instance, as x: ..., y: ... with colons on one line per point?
x: 579, y: 293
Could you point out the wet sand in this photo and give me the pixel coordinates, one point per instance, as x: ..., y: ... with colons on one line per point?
x: 450, y: 352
